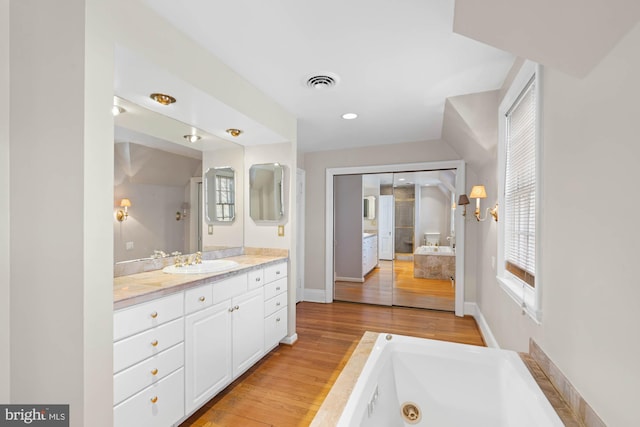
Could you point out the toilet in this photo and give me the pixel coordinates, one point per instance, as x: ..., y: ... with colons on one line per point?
x: 431, y: 239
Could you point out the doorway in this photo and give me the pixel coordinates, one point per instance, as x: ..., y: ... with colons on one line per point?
x: 413, y: 191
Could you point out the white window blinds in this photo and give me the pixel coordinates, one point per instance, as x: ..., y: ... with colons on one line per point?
x: 520, y: 187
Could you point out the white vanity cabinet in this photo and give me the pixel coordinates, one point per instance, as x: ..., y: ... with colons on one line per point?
x: 173, y: 354
x: 223, y: 340
x: 369, y: 253
x: 148, y: 362
x: 275, y: 305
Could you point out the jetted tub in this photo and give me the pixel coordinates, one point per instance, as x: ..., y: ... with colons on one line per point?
x: 409, y: 381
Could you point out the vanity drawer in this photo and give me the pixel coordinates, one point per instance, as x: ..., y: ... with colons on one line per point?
x: 132, y: 350
x: 274, y: 304
x: 275, y: 328
x: 275, y: 272
x: 255, y: 278
x: 147, y: 372
x: 275, y: 288
x: 198, y: 298
x: 229, y: 288
x: 130, y: 321
x: 162, y: 404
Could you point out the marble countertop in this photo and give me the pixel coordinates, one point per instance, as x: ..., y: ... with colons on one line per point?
x: 365, y: 235
x: 141, y: 287
x: 335, y: 402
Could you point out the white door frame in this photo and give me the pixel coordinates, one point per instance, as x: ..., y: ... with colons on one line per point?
x: 460, y: 167
x: 300, y: 218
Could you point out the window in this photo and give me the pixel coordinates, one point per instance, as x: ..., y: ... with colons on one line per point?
x: 224, y: 198
x: 519, y: 143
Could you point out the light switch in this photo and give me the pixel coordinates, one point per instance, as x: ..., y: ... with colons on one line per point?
x: 129, y: 246
x: 210, y: 229
x: 281, y: 230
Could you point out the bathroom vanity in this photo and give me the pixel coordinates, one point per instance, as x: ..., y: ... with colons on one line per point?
x: 179, y: 339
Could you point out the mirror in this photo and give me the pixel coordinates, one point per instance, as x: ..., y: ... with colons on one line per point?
x: 266, y: 198
x: 219, y: 191
x: 161, y: 173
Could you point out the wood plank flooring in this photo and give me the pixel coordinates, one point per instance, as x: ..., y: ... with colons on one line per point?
x: 392, y: 283
x: 288, y: 386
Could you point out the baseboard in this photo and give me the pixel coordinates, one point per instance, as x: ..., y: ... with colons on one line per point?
x: 472, y: 309
x: 350, y: 279
x: 290, y: 339
x: 314, y: 295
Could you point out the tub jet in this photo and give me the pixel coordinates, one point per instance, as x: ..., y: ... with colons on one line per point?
x: 411, y: 412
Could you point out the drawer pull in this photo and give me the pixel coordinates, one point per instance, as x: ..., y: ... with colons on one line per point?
x: 278, y: 304
x: 202, y: 299
x: 237, y: 307
x: 154, y: 343
x: 278, y: 288
x: 277, y: 319
x: 154, y: 399
x: 232, y: 309
x: 154, y: 371
x: 257, y: 279
x: 154, y: 314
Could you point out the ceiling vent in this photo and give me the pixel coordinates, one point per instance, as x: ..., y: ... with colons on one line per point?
x: 322, y: 81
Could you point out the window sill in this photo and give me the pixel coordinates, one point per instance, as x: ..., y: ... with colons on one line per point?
x: 524, y: 296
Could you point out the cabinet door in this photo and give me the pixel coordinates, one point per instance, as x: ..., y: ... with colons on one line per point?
x: 248, y: 330
x: 207, y: 354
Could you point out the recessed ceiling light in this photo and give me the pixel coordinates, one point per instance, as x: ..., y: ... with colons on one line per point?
x: 192, y: 138
x: 349, y: 116
x: 162, y: 98
x: 400, y: 179
x: 116, y: 110
x: 234, y: 132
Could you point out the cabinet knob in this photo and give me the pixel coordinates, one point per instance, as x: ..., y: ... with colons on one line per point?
x: 278, y: 304
x: 154, y: 399
x: 202, y: 299
x: 237, y: 307
x: 154, y: 343
x: 277, y: 319
x: 154, y: 314
x: 278, y: 288
x: 154, y: 371
x: 231, y: 310
x: 257, y: 279
x: 278, y: 272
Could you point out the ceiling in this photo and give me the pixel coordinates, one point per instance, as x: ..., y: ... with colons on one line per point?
x: 396, y: 62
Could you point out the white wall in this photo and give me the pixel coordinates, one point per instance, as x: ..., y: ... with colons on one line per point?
x: 4, y: 202
x: 590, y: 298
x: 61, y: 192
x: 315, y: 165
x: 435, y: 214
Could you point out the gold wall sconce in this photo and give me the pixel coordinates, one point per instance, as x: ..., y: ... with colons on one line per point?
x: 183, y: 214
x: 478, y: 192
x: 123, y: 214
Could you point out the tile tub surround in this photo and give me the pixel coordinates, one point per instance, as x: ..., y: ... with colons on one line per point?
x: 434, y: 266
x: 332, y: 407
x: 141, y: 287
x: 564, y: 388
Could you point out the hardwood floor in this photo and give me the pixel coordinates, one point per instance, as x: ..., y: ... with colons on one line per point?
x: 288, y: 386
x: 392, y: 283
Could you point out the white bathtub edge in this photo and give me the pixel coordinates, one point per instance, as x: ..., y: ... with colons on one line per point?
x: 472, y: 309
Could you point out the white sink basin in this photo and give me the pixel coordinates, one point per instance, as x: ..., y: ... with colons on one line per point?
x: 207, y: 266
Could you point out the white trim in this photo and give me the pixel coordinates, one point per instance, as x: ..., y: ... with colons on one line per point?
x: 315, y: 295
x: 532, y: 299
x: 290, y: 340
x: 473, y: 309
x: 300, y: 232
x: 460, y: 167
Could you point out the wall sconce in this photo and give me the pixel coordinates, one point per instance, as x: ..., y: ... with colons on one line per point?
x: 123, y: 214
x: 463, y: 201
x: 183, y: 214
x: 478, y: 192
